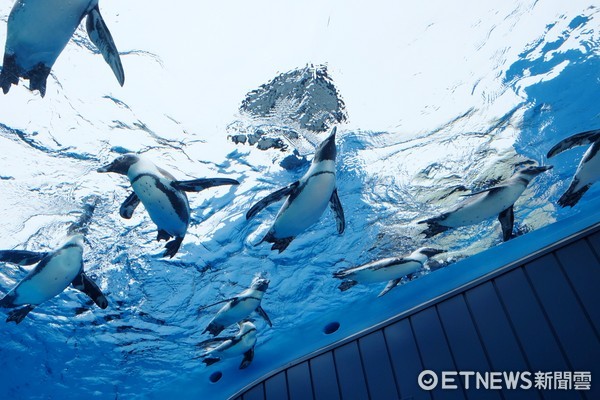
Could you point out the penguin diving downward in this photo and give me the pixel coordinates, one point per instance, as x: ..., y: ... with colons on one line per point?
x: 481, y: 205
x: 241, y: 344
x: 306, y: 200
x: 588, y: 170
x: 162, y: 195
x: 239, y: 307
x: 39, y: 30
x: 391, y: 269
x: 54, y: 272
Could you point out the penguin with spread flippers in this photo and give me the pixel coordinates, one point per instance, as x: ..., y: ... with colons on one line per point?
x: 484, y: 204
x: 232, y: 346
x: 39, y: 30
x: 54, y: 272
x: 588, y: 170
x: 162, y: 195
x: 390, y: 270
x: 306, y: 199
x: 239, y: 307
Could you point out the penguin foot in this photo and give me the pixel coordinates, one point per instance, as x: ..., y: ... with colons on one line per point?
x: 570, y: 198
x: 211, y: 360
x: 433, y: 228
x: 38, y: 77
x: 172, y: 247
x: 18, y: 315
x: 214, y: 329
x: 10, y: 72
x: 162, y: 235
x: 347, y: 285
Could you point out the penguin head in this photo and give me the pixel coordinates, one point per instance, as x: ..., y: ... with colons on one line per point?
x: 121, y: 164
x: 245, y: 327
x: 429, y: 251
x: 75, y: 240
x: 326, y: 150
x: 260, y: 284
x: 528, y: 173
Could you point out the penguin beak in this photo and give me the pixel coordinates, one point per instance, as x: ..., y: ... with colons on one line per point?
x: 105, y: 168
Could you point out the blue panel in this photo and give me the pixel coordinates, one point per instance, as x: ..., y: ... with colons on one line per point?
x: 583, y: 271
x: 533, y: 329
x: 497, y: 335
x: 276, y: 387
x: 299, y: 384
x: 350, y: 372
x: 377, y: 366
x: 324, y: 377
x: 405, y: 360
x: 434, y: 350
x: 256, y: 393
x: 573, y: 328
x: 464, y: 343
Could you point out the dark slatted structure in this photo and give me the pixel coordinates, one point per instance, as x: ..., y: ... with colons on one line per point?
x: 539, y: 314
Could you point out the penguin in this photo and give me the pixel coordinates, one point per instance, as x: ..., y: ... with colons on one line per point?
x: 588, y: 170
x: 54, y: 272
x: 481, y: 205
x: 162, y: 195
x: 306, y: 200
x: 239, y: 307
x: 391, y: 269
x: 232, y: 346
x: 39, y: 30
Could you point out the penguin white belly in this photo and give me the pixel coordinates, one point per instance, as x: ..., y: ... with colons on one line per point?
x: 306, y: 209
x: 56, y: 275
x: 159, y: 205
x: 230, y: 315
x: 588, y: 172
x: 387, y: 273
x: 39, y: 30
x: 484, y: 207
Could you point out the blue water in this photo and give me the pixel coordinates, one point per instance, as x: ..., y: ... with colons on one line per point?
x: 144, y: 344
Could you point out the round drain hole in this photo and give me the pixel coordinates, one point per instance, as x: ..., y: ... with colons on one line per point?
x: 331, y: 327
x: 215, y: 376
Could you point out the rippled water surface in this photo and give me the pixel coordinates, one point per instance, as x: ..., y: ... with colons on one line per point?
x: 438, y: 98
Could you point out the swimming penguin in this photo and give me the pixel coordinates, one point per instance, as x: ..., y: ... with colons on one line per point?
x: 163, y: 196
x: 242, y: 343
x: 391, y: 269
x: 39, y: 30
x: 588, y: 170
x: 239, y: 307
x: 307, y: 198
x: 481, y: 205
x: 53, y: 273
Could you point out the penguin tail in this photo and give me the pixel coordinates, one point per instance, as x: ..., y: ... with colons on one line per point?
x: 433, y: 227
x: 572, y: 197
x: 10, y: 73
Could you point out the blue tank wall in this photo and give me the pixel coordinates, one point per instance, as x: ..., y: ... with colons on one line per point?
x: 541, y: 313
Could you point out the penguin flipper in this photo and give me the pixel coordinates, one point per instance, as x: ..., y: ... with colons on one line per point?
x: 129, y: 206
x: 579, y: 139
x: 172, y: 247
x: 338, y: 211
x: 572, y: 197
x: 391, y: 284
x: 101, y: 37
x: 21, y: 257
x: 19, y: 314
x: 10, y: 72
x: 272, y: 198
x: 197, y: 185
x: 248, y: 357
x: 507, y: 220
x: 264, y: 315
x: 84, y: 284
